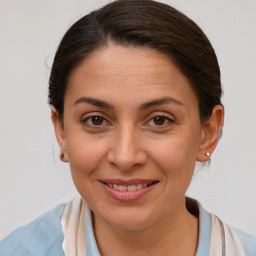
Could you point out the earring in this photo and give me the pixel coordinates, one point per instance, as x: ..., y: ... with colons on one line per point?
x: 62, y: 156
x: 208, y: 154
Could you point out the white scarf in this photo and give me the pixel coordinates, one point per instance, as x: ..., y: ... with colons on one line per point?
x: 224, y: 240
x: 72, y: 222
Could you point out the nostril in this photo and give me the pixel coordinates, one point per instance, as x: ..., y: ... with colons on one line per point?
x: 124, y: 163
x: 126, y: 160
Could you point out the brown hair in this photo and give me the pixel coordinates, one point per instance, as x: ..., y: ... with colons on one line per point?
x: 140, y: 23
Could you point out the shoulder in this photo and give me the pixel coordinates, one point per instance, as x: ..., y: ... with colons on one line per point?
x: 237, y: 240
x: 41, y: 237
x: 248, y: 242
x: 214, y: 231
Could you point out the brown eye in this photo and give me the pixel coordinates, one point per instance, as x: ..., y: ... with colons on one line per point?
x: 94, y: 121
x: 97, y: 120
x: 159, y: 120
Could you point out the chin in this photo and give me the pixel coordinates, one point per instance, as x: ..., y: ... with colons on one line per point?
x: 132, y: 225
x: 125, y: 219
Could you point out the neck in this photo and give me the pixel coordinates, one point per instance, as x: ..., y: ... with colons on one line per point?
x: 176, y: 233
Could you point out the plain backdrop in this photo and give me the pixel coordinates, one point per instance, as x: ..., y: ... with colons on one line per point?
x: 33, y: 179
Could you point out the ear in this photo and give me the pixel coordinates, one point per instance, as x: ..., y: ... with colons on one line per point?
x: 210, y: 134
x: 60, y: 135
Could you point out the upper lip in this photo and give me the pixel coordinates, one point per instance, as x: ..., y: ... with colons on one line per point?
x: 128, y: 182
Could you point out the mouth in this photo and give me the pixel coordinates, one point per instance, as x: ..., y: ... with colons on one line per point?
x: 127, y: 191
x: 132, y: 187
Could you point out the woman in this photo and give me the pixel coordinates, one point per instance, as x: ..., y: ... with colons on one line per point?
x: 136, y: 100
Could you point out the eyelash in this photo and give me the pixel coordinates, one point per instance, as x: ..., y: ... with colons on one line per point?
x: 167, y: 121
x: 88, y: 121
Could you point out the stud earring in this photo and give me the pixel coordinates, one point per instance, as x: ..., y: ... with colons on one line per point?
x: 62, y: 156
x: 208, y: 154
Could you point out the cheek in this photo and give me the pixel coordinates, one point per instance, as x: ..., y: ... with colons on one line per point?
x: 85, y: 158
x: 85, y: 155
x: 176, y: 157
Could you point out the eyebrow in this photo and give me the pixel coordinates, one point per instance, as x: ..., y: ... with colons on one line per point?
x: 143, y: 106
x: 161, y: 101
x: 94, y: 102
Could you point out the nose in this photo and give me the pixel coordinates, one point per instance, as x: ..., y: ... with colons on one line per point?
x: 126, y: 150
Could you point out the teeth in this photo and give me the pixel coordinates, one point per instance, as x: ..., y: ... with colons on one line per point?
x: 122, y: 188
x: 139, y: 186
x: 133, y: 187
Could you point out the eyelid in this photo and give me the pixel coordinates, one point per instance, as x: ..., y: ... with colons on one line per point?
x: 165, y: 115
x: 87, y: 116
x: 161, y: 113
x: 95, y: 113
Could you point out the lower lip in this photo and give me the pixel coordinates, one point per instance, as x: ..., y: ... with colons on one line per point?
x: 126, y: 196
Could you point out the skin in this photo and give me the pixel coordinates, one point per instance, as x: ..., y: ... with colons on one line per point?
x: 130, y: 143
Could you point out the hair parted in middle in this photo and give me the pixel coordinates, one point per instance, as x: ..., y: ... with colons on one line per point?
x: 140, y: 23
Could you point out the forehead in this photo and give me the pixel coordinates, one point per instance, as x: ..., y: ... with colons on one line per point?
x: 119, y: 63
x: 135, y: 71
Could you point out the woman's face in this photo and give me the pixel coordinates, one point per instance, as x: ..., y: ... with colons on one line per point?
x: 132, y: 134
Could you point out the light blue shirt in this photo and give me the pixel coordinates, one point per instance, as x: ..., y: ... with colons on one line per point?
x: 44, y: 237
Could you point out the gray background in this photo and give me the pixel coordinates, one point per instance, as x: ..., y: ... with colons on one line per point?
x: 32, y: 178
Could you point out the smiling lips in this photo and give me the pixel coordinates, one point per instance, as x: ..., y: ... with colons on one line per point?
x: 133, y: 187
x: 128, y: 190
